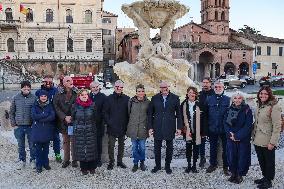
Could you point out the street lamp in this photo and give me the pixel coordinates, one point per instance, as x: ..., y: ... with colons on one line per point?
x: 2, y: 76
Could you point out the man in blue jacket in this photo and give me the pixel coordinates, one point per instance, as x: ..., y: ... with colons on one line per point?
x: 51, y: 90
x: 217, y: 105
x: 164, y: 122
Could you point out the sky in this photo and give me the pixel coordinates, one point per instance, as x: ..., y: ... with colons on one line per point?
x: 266, y: 16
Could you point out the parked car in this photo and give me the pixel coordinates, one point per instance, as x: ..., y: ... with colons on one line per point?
x: 273, y: 81
x: 264, y: 81
x: 250, y: 80
x: 232, y: 81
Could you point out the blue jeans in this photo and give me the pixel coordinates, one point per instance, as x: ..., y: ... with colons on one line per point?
x: 138, y: 150
x: 56, y: 142
x: 42, y: 150
x: 20, y: 134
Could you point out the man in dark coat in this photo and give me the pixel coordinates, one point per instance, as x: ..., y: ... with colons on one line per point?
x: 51, y: 90
x: 217, y: 105
x: 62, y: 103
x: 99, y: 100
x: 203, y: 95
x: 164, y: 121
x: 116, y: 118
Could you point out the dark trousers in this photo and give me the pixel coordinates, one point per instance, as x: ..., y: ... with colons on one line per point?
x: 56, y: 142
x: 266, y: 159
x: 42, y: 150
x: 88, y: 165
x: 192, y: 149
x: 99, y: 147
x: 202, y: 147
x: 157, y: 152
x: 111, y: 145
x: 213, y: 148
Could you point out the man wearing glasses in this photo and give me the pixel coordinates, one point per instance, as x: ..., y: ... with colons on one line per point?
x: 116, y: 118
x: 217, y: 105
x: 164, y: 122
x: 52, y: 90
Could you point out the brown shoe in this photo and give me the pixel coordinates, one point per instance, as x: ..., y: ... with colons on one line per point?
x: 211, y: 169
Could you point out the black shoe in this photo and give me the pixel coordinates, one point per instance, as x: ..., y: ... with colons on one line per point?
x: 47, y: 167
x: 156, y: 169
x: 110, y: 166
x: 121, y: 165
x: 84, y: 171
x: 135, y: 168
x: 142, y: 166
x: 99, y: 164
x: 226, y: 171
x: 202, y: 162
x: 92, y: 171
x: 193, y: 169
x: 74, y: 164
x: 232, y: 178
x: 211, y: 168
x: 266, y: 184
x: 38, y: 169
x: 168, y: 170
x: 238, y: 179
x: 65, y: 164
x: 259, y: 181
x: 188, y: 169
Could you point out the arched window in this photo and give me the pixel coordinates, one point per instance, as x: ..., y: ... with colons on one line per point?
x: 69, y: 45
x: 199, y: 39
x: 216, y: 15
x: 31, y: 45
x: 230, y: 55
x: 88, y: 17
x: 88, y: 45
x: 50, y: 45
x: 69, y: 17
x: 29, y: 15
x: 220, y: 2
x: 223, y: 15
x: 10, y: 45
x: 192, y: 38
x: 216, y: 1
x: 49, y: 15
x: 223, y: 3
x: 9, y: 14
x: 182, y: 54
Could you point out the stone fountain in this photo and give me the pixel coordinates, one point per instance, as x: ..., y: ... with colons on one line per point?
x: 155, y: 62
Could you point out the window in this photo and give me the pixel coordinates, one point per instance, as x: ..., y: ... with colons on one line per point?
x: 199, y: 39
x: 244, y: 54
x: 280, y: 51
x: 223, y: 16
x: 106, y: 20
x: 31, y: 45
x: 88, y: 45
x: 104, y: 50
x: 106, y: 32
x: 268, y: 50
x: 50, y: 45
x: 216, y: 15
x: 258, y: 50
x: 69, y: 45
x: 88, y: 17
x: 192, y: 38
x: 182, y: 54
x: 258, y: 65
x: 230, y: 55
x: 49, y: 15
x: 10, y: 45
x: 29, y: 16
x: 216, y: 2
x: 69, y: 17
x: 9, y: 14
x: 109, y: 50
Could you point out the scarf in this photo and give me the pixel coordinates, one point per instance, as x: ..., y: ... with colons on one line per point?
x: 233, y: 113
x: 88, y: 103
x: 42, y: 104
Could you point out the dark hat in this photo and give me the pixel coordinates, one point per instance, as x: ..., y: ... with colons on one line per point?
x: 25, y: 83
x: 42, y: 92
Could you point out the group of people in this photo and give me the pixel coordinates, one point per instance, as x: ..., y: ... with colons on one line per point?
x: 82, y: 117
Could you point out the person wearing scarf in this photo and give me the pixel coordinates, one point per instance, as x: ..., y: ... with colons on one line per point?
x: 43, y: 115
x: 238, y: 126
x: 85, y: 132
x: 192, y: 132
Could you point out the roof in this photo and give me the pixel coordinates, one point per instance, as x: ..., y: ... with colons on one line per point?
x: 258, y: 38
x: 109, y: 14
x: 198, y: 25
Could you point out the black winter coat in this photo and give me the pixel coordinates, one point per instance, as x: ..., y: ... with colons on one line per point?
x: 164, y: 120
x: 99, y: 100
x: 85, y: 133
x: 116, y: 114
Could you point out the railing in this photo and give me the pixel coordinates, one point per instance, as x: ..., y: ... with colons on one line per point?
x: 10, y: 23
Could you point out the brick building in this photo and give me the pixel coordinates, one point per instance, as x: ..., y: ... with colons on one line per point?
x: 130, y: 46
x: 119, y: 34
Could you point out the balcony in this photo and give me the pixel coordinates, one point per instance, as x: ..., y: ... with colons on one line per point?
x: 10, y: 24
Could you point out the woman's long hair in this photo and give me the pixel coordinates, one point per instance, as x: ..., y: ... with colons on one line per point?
x: 271, y: 97
x: 194, y: 89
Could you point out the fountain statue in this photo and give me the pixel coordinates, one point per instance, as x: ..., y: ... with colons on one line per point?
x: 155, y: 62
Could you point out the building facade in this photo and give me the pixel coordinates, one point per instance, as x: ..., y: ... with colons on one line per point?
x: 120, y: 33
x: 65, y: 32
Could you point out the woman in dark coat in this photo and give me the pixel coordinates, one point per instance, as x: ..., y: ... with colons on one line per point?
x: 43, y: 116
x: 193, y: 120
x: 238, y: 126
x: 85, y: 132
